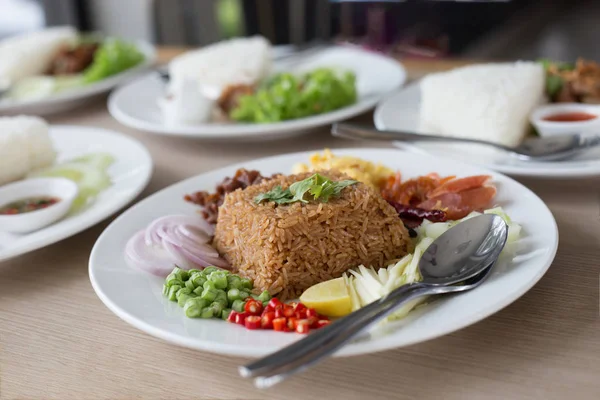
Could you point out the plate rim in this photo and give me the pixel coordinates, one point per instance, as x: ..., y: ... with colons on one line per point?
x: 373, y: 347
x: 67, y: 233
x: 209, y: 131
x: 542, y: 173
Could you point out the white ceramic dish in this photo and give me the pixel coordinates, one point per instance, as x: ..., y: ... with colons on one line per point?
x: 400, y: 111
x: 136, y: 104
x: 130, y: 174
x: 136, y: 297
x: 70, y: 99
x: 552, y: 128
x: 63, y: 189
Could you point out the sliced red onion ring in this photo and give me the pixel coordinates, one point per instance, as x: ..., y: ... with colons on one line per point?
x: 194, y: 233
x: 173, y: 240
x: 147, y: 258
x: 205, y: 261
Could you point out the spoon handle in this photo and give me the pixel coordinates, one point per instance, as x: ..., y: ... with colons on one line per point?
x: 327, y: 340
x: 352, y: 131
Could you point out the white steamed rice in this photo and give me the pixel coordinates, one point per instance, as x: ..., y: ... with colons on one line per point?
x: 236, y: 61
x: 489, y: 102
x: 25, y: 145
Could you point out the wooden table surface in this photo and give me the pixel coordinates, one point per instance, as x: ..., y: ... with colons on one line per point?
x: 58, y: 341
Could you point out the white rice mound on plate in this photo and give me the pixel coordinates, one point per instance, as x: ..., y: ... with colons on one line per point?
x: 489, y: 102
x: 31, y: 53
x: 25, y: 146
x: 236, y: 61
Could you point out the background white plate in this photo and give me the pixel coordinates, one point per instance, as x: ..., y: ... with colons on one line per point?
x: 400, y: 111
x: 69, y: 99
x: 130, y: 174
x: 136, y: 104
x: 136, y: 297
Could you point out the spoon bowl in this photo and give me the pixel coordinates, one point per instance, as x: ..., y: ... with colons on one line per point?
x: 457, y: 256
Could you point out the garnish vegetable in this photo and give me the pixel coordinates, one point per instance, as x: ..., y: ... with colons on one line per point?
x: 112, y: 57
x: 315, y: 187
x: 211, y: 292
x: 286, y: 96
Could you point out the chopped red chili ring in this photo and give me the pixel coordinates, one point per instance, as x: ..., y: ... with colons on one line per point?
x: 275, y: 304
x: 232, y: 316
x: 323, y: 322
x: 279, y: 313
x: 311, y: 312
x: 288, y: 311
x: 266, y: 320
x: 313, y: 322
x: 279, y: 324
x: 253, y: 307
x: 240, y: 318
x: 300, y: 307
x: 252, y: 322
x: 291, y: 323
x: 302, y: 326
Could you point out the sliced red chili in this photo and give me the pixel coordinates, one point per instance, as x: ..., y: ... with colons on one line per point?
x: 232, y: 316
x: 300, y: 308
x: 240, y: 318
x: 311, y: 312
x: 302, y: 326
x: 279, y: 313
x: 291, y: 323
x: 266, y: 320
x: 253, y: 307
x: 322, y: 322
x: 275, y: 304
x: 279, y: 324
x: 288, y: 311
x: 252, y: 322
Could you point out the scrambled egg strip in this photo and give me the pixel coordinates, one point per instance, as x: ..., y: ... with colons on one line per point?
x: 361, y: 170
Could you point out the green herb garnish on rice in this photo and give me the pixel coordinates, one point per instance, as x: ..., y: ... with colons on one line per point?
x: 315, y: 187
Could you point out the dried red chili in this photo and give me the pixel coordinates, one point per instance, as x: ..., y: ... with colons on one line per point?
x: 210, y: 202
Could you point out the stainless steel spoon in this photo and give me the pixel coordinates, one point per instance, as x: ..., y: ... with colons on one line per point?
x: 457, y: 261
x: 542, y: 149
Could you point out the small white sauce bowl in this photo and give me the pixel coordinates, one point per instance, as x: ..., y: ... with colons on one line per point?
x: 63, y: 189
x: 553, y: 128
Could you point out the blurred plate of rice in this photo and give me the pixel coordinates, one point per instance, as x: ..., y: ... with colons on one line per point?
x: 405, y: 111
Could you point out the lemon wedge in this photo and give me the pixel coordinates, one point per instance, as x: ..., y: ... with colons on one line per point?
x: 329, y: 298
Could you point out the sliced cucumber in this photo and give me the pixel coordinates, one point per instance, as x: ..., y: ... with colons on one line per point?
x: 98, y: 160
x: 32, y: 88
x: 68, y: 82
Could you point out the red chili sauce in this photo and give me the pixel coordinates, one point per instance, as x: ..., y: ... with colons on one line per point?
x: 570, y: 117
x: 27, y: 205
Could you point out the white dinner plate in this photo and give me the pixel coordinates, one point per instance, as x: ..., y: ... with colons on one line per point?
x: 136, y: 104
x: 70, y: 99
x: 137, y: 298
x: 400, y: 111
x: 129, y: 174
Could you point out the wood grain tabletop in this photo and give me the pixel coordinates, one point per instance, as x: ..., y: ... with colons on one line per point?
x: 58, y: 341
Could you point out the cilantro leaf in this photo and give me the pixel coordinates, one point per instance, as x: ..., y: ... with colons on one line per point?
x: 316, y: 186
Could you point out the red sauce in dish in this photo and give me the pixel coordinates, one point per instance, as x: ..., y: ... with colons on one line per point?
x: 28, y: 205
x: 570, y: 117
